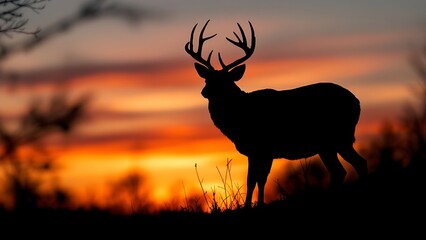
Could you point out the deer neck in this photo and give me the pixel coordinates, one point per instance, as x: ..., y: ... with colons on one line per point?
x: 224, y: 110
x: 228, y: 99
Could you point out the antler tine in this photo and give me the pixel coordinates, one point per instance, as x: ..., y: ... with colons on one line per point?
x: 190, y: 43
x: 201, y: 39
x: 244, y: 41
x: 189, y: 46
x: 243, y: 44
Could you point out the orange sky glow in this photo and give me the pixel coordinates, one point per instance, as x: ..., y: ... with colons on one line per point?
x: 147, y: 115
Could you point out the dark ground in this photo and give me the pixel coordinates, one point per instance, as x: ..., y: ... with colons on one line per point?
x: 378, y: 208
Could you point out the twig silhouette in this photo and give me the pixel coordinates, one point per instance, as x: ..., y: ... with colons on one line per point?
x: 93, y: 9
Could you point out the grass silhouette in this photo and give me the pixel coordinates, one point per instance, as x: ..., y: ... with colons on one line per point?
x: 229, y: 198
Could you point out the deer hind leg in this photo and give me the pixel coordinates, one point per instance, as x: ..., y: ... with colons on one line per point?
x: 258, y: 171
x: 351, y: 155
x: 334, y: 167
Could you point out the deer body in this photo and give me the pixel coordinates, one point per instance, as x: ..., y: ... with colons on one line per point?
x: 289, y: 124
x: 268, y: 124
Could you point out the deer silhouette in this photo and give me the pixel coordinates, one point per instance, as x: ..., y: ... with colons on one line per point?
x: 268, y: 124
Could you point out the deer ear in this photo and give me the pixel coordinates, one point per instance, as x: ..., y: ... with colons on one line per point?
x: 201, y: 70
x: 237, y: 73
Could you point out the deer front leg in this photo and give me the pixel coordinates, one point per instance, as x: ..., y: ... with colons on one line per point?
x: 258, y: 171
x: 251, y: 181
x: 264, y: 169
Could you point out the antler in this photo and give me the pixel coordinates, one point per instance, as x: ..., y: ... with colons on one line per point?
x: 243, y: 44
x: 189, y: 47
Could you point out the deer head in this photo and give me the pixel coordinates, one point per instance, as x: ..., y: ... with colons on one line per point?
x: 220, y: 82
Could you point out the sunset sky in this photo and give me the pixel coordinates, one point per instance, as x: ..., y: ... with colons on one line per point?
x: 147, y: 113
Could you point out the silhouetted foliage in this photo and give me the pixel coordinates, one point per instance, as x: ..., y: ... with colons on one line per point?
x: 129, y: 195
x: 400, y: 150
x: 41, y: 120
x: 415, y: 120
x: 44, y: 117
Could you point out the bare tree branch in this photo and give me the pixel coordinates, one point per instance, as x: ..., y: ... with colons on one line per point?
x: 12, y: 19
x: 93, y: 9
